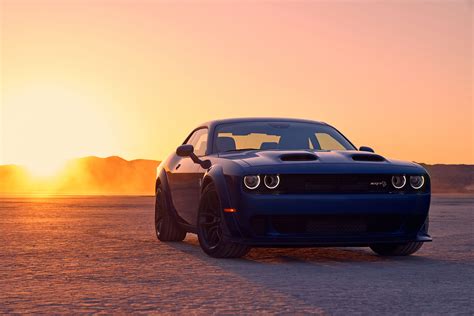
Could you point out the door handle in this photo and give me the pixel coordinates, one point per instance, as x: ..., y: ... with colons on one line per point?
x: 177, y: 167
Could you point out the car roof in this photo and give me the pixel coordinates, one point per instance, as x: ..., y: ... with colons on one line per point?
x: 257, y: 119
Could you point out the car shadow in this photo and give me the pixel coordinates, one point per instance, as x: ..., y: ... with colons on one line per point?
x: 306, y: 273
x: 310, y: 256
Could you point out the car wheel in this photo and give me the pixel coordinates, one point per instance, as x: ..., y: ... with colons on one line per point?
x: 396, y: 249
x: 166, y: 228
x: 210, y: 228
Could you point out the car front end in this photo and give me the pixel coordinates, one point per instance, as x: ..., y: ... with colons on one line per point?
x: 327, y: 201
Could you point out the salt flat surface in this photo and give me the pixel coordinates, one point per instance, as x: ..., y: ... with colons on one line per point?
x: 99, y: 254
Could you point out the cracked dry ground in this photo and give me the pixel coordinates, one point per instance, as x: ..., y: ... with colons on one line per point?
x: 99, y: 254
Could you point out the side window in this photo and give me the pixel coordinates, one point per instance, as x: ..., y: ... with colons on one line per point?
x: 327, y: 142
x: 199, y: 141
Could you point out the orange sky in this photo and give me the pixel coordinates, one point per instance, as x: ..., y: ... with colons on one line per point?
x: 132, y: 78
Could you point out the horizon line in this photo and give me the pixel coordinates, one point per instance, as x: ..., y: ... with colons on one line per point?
x: 156, y: 160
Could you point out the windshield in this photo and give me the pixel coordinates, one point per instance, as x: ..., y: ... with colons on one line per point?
x: 278, y: 136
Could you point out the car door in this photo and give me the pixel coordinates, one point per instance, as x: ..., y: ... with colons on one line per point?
x: 185, y: 180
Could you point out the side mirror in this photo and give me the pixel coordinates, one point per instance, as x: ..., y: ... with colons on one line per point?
x: 365, y: 148
x: 185, y: 150
x: 188, y: 151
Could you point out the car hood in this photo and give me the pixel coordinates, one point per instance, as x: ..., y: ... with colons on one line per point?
x: 320, y: 161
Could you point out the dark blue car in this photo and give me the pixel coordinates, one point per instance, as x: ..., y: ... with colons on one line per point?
x: 271, y: 182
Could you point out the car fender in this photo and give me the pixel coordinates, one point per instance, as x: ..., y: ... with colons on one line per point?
x: 162, y: 179
x: 216, y: 175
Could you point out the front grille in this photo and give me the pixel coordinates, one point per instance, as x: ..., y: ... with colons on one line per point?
x: 340, y: 184
x: 328, y: 225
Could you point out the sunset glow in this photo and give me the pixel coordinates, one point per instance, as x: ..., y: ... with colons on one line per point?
x: 131, y: 78
x: 49, y: 124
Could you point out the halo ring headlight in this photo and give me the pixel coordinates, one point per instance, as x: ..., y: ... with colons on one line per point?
x: 271, y: 181
x: 416, y: 182
x: 399, y: 182
x: 252, y: 182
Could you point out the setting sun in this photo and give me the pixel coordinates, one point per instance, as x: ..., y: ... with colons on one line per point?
x: 49, y: 124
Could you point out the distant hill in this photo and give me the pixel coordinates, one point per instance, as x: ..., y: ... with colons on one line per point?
x: 89, y: 175
x: 451, y: 178
x: 114, y: 175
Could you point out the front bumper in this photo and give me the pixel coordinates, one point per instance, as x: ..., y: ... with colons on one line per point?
x: 328, y: 219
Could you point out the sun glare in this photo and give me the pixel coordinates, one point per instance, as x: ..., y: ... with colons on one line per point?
x: 46, y: 125
x: 44, y: 169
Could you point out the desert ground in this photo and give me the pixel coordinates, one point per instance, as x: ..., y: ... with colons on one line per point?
x: 100, y: 254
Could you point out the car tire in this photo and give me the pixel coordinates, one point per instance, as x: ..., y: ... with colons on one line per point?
x: 210, y: 228
x: 396, y: 249
x: 166, y: 227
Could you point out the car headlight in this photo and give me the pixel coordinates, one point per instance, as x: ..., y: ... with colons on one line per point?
x: 252, y: 182
x: 416, y: 182
x: 271, y: 181
x: 399, y: 182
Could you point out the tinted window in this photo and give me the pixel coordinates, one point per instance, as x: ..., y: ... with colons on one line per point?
x: 278, y: 136
x: 199, y: 141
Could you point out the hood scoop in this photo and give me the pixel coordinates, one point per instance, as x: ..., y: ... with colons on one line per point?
x: 298, y: 157
x: 367, y: 157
